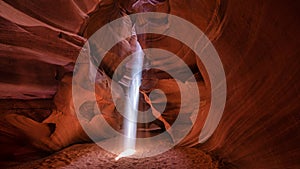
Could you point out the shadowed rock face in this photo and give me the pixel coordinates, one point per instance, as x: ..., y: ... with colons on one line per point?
x: 257, y: 43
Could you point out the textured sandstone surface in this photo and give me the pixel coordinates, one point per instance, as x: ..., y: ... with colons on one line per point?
x: 257, y: 43
x: 91, y: 156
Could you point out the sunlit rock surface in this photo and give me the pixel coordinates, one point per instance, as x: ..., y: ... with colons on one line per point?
x: 257, y: 43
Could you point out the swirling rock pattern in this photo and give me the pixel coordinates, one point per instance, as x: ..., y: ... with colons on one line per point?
x: 257, y: 43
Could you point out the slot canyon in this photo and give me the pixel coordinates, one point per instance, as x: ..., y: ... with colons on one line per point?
x: 63, y: 93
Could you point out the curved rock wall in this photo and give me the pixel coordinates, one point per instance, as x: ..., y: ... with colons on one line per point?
x: 257, y: 43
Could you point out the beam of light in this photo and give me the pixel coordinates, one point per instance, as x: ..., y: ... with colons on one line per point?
x: 132, y: 82
x: 125, y: 153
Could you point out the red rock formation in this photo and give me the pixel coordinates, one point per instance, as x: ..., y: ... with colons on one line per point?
x: 257, y: 44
